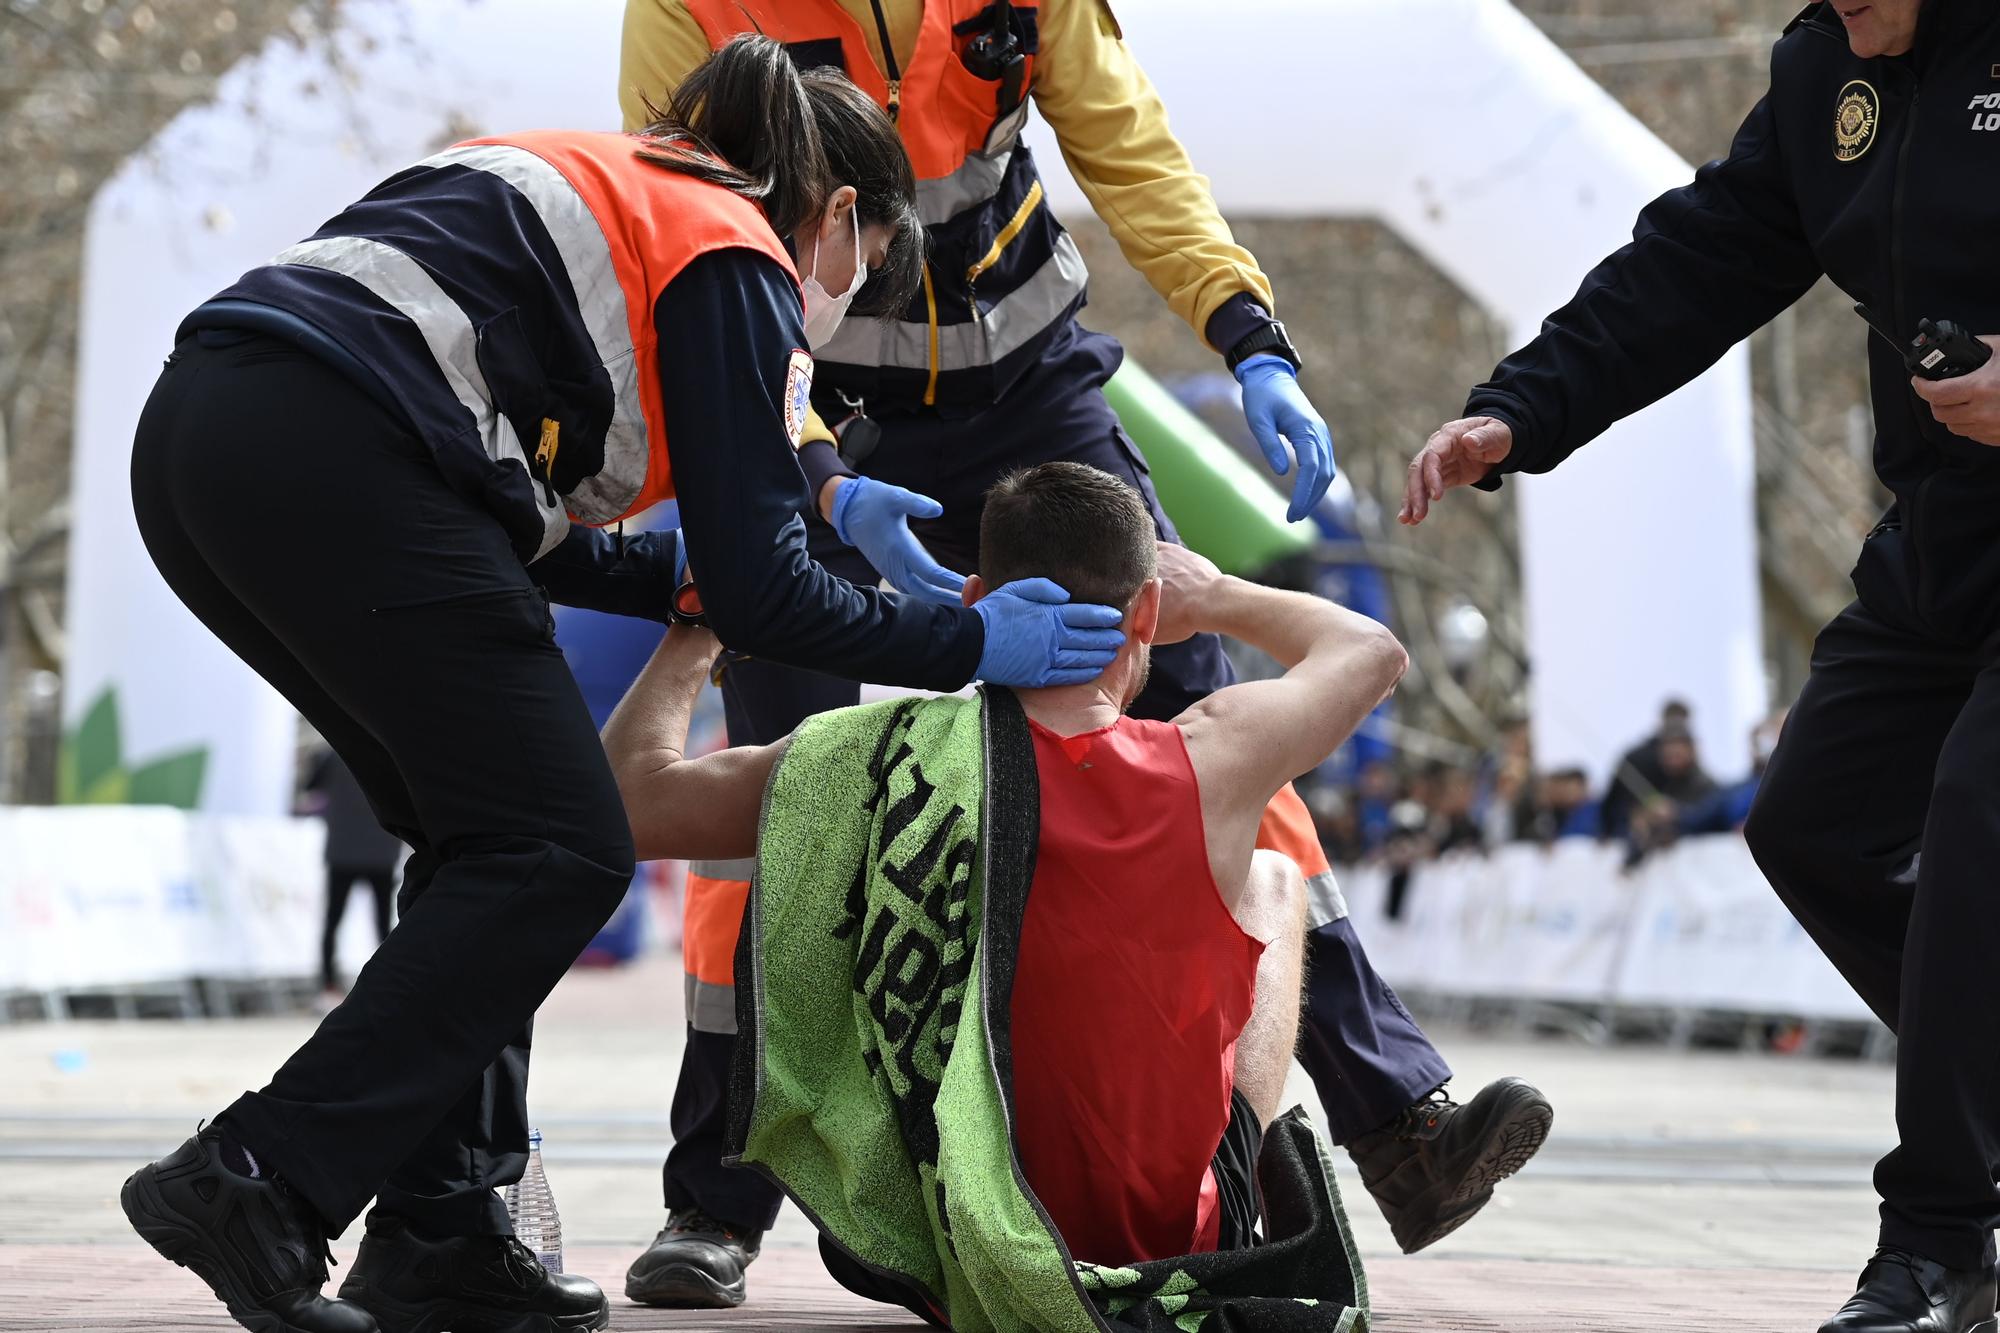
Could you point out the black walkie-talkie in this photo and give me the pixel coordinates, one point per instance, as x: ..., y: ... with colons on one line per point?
x: 997, y: 54
x: 858, y: 434
x: 1941, y: 350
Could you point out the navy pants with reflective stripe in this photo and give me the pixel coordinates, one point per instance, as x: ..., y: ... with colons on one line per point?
x: 1367, y: 1057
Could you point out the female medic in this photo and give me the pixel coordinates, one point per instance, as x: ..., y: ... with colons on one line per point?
x: 360, y: 470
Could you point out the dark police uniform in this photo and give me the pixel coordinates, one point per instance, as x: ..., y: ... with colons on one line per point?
x: 1883, y: 175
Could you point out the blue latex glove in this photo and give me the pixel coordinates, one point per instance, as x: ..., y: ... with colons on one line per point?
x: 874, y: 517
x: 1036, y: 636
x: 1275, y: 405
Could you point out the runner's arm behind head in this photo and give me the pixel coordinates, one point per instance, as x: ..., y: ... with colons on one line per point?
x: 689, y: 809
x: 1248, y: 740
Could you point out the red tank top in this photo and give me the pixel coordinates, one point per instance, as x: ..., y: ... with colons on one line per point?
x: 1132, y: 985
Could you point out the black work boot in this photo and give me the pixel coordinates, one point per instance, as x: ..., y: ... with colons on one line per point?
x: 259, y: 1247
x: 1435, y: 1165
x: 1902, y: 1292
x: 695, y: 1263
x: 465, y: 1284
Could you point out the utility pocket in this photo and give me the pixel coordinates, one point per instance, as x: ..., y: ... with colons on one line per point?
x: 561, y: 432
x: 1130, y: 448
x: 491, y: 618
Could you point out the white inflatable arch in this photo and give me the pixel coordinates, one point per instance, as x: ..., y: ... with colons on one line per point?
x: 1453, y: 121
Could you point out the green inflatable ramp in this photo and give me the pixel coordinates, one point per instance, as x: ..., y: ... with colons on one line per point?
x: 1224, y: 507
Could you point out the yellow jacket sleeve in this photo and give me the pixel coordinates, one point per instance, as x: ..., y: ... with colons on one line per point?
x: 1114, y: 134
x: 816, y: 429
x: 662, y: 44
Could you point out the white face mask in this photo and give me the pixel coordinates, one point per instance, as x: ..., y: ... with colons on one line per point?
x: 824, y: 310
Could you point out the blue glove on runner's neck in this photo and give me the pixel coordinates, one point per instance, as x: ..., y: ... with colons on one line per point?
x: 1036, y: 636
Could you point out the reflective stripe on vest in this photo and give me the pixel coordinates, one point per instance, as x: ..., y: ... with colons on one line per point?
x: 1002, y: 274
x: 593, y: 274
x: 711, y: 919
x: 709, y: 1007
x: 575, y: 402
x: 1287, y: 827
x: 402, y: 282
x: 1010, y: 325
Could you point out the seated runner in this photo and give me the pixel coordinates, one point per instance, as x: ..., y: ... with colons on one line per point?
x: 1155, y: 960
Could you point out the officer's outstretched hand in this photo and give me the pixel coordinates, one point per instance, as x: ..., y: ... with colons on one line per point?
x: 1968, y: 406
x: 1458, y: 454
x: 1276, y: 407
x: 874, y: 518
x: 1036, y: 636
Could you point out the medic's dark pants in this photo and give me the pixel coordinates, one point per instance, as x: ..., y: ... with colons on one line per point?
x: 1894, y: 745
x: 311, y: 531
x: 1367, y: 1057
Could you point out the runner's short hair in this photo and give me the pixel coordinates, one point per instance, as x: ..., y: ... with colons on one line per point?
x: 1078, y: 525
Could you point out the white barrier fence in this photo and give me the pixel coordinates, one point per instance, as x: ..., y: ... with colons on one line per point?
x: 1694, y: 928
x: 100, y: 897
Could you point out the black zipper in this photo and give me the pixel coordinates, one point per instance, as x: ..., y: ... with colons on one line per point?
x: 888, y: 59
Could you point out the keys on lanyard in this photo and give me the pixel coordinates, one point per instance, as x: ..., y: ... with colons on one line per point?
x: 858, y: 435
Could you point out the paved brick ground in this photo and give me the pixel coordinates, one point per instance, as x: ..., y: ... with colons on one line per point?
x: 1680, y: 1192
x: 129, y: 1288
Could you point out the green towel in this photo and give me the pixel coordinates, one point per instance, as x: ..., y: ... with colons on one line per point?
x: 873, y: 1078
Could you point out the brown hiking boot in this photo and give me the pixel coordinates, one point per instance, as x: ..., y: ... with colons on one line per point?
x: 1435, y: 1165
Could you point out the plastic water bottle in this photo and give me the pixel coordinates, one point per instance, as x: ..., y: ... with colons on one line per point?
x: 533, y: 1209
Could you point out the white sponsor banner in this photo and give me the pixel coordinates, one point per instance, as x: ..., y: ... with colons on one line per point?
x: 1696, y: 927
x: 106, y: 896
x: 1710, y: 934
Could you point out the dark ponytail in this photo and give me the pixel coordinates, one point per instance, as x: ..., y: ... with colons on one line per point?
x: 746, y: 119
x: 742, y: 120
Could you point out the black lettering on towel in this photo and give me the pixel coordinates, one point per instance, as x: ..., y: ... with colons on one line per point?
x: 913, y: 957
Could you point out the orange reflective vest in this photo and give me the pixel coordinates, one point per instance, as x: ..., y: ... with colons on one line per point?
x: 1003, y: 277
x: 527, y: 267
x: 1287, y: 827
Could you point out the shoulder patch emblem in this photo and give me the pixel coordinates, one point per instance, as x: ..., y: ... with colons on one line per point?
x: 798, y: 394
x: 1856, y: 115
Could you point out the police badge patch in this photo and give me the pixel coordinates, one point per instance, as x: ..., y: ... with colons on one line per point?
x: 798, y: 394
x: 1856, y: 114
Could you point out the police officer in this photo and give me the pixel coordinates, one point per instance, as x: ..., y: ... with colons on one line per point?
x: 1873, y: 160
x: 988, y: 370
x: 359, y: 463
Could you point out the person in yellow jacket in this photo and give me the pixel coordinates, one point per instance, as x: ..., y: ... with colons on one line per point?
x: 987, y: 370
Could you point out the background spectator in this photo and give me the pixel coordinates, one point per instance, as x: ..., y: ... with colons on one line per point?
x: 356, y: 849
x: 1725, y: 809
x: 1453, y: 827
x: 1335, y: 820
x: 1400, y: 818
x: 1408, y: 843
x: 1507, y: 787
x: 1655, y: 819
x: 1640, y: 774
x: 1375, y: 799
x: 1563, y: 808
